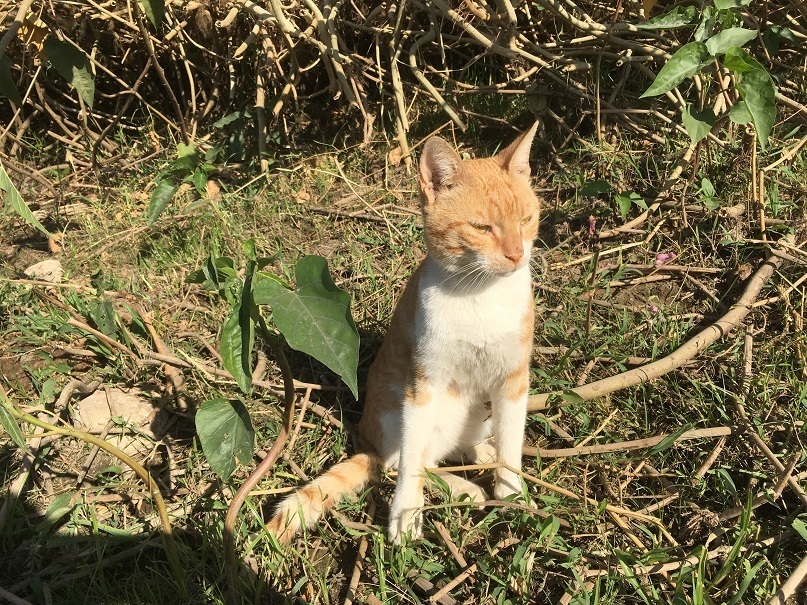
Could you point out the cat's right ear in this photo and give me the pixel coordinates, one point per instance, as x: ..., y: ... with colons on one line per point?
x: 440, y: 167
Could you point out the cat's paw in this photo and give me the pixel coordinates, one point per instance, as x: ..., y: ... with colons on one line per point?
x: 481, y: 453
x: 407, y: 523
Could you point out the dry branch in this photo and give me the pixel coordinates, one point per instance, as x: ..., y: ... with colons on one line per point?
x: 686, y: 352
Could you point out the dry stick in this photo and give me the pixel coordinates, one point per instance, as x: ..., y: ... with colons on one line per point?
x: 13, y: 599
x: 452, y: 548
x: 138, y: 17
x: 677, y: 358
x: 763, y: 498
x: 174, y: 374
x: 470, y: 570
x: 789, y: 587
x: 15, y: 25
x: 363, y: 543
x: 625, y: 446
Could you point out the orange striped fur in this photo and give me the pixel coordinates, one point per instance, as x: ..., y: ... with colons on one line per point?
x: 453, y: 371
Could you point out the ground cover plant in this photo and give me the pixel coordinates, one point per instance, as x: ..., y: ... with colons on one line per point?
x: 194, y: 166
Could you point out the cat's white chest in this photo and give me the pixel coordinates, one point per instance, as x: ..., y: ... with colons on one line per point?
x: 472, y: 337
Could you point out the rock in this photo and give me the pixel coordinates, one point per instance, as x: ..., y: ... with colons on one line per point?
x: 48, y: 270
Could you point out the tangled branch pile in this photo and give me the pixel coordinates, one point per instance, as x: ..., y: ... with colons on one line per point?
x: 575, y: 64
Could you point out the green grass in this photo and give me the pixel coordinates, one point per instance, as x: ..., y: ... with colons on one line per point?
x: 539, y: 558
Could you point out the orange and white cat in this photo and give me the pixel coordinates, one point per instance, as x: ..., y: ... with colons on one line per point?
x: 453, y: 370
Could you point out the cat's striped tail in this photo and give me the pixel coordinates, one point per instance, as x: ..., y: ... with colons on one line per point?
x: 305, y: 506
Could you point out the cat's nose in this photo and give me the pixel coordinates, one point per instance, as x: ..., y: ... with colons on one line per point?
x: 515, y: 255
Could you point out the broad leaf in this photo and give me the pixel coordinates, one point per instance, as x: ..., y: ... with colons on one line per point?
x: 698, y: 124
x: 163, y: 193
x: 226, y: 433
x: 739, y: 113
x: 681, y: 16
x: 237, y: 341
x: 774, y: 35
x: 686, y: 62
x: 314, y: 317
x: 213, y: 274
x: 739, y: 61
x: 11, y: 426
x: 735, y: 36
x: 595, y: 187
x: 15, y: 201
x: 73, y: 65
x: 722, y: 5
x: 104, y: 316
x: 155, y: 10
x: 7, y: 86
x: 707, y: 25
x: 626, y: 199
x: 58, y: 508
x: 758, y: 91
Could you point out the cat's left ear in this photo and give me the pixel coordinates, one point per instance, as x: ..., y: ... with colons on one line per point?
x: 516, y: 157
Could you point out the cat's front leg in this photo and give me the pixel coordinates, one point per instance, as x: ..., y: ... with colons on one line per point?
x: 509, y: 415
x: 417, y: 428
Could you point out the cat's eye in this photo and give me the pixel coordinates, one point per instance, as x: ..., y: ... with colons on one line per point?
x: 480, y: 227
x: 526, y: 220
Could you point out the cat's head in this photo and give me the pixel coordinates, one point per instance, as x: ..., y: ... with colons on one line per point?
x: 481, y: 215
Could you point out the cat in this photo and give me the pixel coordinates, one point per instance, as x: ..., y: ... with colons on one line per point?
x: 453, y: 369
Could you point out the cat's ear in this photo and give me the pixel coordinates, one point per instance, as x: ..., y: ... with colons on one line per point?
x: 440, y: 167
x: 516, y: 157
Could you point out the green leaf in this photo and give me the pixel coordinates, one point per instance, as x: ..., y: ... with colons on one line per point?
x: 758, y: 91
x: 213, y: 274
x: 237, y: 341
x: 668, y: 441
x: 739, y: 113
x: 200, y: 181
x: 11, y: 426
x: 681, y: 16
x: 570, y: 396
x: 774, y: 35
x: 739, y: 61
x: 626, y: 199
x: 15, y: 201
x: 59, y: 507
x: 7, y: 86
x: 73, y: 65
x: 104, y: 316
x: 225, y: 431
x: 155, y: 10
x: 723, y: 5
x: 163, y: 193
x: 698, y: 123
x: 735, y: 36
x: 595, y: 187
x: 686, y: 62
x: 707, y: 25
x: 800, y: 527
x: 314, y: 317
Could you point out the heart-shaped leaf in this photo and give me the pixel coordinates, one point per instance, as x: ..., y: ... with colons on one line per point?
x: 73, y: 65
x: 314, y: 317
x: 758, y: 91
x: 226, y: 433
x: 734, y: 36
x: 686, y: 62
x: 739, y: 113
x: 722, y: 5
x: 707, y: 25
x: 739, y: 61
x: 698, y: 123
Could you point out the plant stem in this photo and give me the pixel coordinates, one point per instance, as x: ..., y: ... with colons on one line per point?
x: 230, y: 556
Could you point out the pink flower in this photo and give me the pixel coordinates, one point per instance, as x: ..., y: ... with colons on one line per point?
x: 664, y: 257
